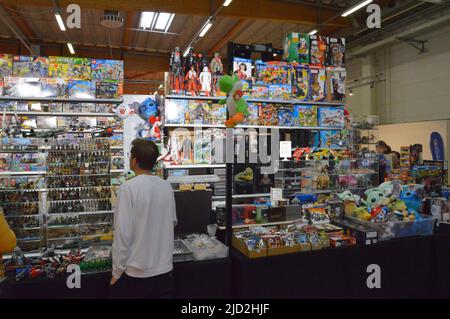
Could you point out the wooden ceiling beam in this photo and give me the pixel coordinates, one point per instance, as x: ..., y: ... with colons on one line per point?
x: 127, y: 30
x: 20, y: 21
x: 242, y: 9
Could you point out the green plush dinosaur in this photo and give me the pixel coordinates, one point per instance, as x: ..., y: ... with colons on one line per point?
x: 236, y: 105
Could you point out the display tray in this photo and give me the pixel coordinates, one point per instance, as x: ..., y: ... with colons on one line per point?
x: 181, y: 251
x: 399, y: 229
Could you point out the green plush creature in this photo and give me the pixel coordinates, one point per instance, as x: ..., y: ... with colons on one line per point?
x: 396, y: 204
x: 375, y: 198
x: 236, y: 105
x: 362, y: 213
x: 348, y: 196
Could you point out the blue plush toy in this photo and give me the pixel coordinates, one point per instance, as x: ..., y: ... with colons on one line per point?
x: 148, y: 108
x: 412, y: 195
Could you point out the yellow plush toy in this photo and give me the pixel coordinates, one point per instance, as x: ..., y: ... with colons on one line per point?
x: 7, y: 241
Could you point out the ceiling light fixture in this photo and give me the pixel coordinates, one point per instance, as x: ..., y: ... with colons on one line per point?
x: 227, y: 3
x: 313, y: 32
x: 205, y: 28
x: 186, y: 52
x: 71, y: 50
x: 156, y: 20
x: 351, y: 93
x: 163, y: 21
x: 60, y: 21
x: 356, y: 8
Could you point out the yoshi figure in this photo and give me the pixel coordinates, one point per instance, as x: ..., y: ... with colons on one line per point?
x: 236, y: 105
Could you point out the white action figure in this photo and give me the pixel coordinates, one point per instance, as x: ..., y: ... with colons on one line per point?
x: 205, y: 80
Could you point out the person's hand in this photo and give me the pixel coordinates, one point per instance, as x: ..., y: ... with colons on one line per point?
x: 113, y: 281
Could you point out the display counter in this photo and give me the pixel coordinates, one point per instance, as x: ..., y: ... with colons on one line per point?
x: 195, y: 279
x: 414, y: 267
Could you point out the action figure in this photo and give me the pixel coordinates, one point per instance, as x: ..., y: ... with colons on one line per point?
x: 191, y: 81
x: 176, y: 71
x: 205, y: 80
x: 217, y: 71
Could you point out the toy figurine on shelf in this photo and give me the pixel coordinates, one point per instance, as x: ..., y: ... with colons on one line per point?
x: 191, y: 81
x: 236, y: 105
x: 216, y: 70
x: 205, y: 80
x: 176, y: 71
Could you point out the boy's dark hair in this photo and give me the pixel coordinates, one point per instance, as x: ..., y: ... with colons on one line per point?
x: 145, y: 152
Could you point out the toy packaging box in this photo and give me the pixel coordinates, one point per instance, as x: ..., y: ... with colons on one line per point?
x: 11, y: 105
x: 4, y: 161
x: 80, y: 89
x: 63, y: 121
x: 53, y: 87
x: 268, y: 114
x: 272, y: 72
x: 260, y: 92
x: 253, y: 117
x: 331, y: 116
x: 218, y: 114
x: 80, y: 69
x: 29, y: 66
x: 22, y: 87
x: 242, y: 68
x: 59, y: 67
x: 88, y: 107
x: 182, y: 147
x: 199, y: 112
x: 87, y: 122
x: 336, y: 52
x: 279, y: 91
x: 107, y: 70
x: 317, y: 84
x: 300, y: 82
x: 202, y: 146
x: 73, y: 107
x: 247, y: 89
x: 318, y: 50
x: 336, y: 84
x: 285, y: 116
x: 106, y: 90
x: 175, y: 111
x: 330, y: 139
x: 47, y: 122
x: 6, y: 64
x: 296, y: 47
x: 305, y: 115
x: 28, y: 122
x: 55, y: 107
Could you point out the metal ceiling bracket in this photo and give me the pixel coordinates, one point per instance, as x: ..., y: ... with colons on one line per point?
x: 416, y: 44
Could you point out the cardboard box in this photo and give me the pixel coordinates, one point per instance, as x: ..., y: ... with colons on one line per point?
x: 283, y: 250
x: 277, y: 214
x: 242, y: 247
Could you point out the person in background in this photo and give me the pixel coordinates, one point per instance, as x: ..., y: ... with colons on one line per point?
x: 382, y: 148
x: 395, y: 159
x: 144, y: 221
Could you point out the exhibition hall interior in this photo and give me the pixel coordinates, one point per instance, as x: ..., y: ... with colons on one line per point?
x: 300, y: 147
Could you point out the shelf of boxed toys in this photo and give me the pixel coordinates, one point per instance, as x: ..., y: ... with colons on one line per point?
x: 286, y: 222
x: 311, y: 128
x: 7, y: 173
x: 67, y: 100
x: 61, y: 114
x: 277, y: 101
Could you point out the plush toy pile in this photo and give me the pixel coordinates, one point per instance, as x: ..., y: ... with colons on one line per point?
x: 389, y: 201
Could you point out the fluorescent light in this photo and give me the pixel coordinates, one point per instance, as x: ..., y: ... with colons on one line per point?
x: 205, y: 29
x: 227, y: 3
x: 160, y: 86
x: 313, y: 32
x: 186, y: 52
x: 170, y: 22
x: 69, y: 45
x: 146, y: 20
x: 60, y: 21
x: 356, y: 8
x: 162, y: 22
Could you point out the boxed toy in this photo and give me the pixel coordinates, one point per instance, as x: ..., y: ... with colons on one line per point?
x: 363, y: 234
x: 300, y: 79
x: 88, y: 107
x: 331, y: 139
x: 199, y: 112
x: 4, y: 161
x: 218, y: 114
x: 318, y: 50
x: 80, y: 69
x: 260, y: 92
x: 29, y: 66
x: 64, y: 121
x: 336, y: 52
x: 46, y: 122
x: 53, y: 87
x: 268, y: 114
x: 336, y: 84
x: 106, y: 90
x: 253, y: 117
x: 107, y: 70
x: 279, y: 91
x: 6, y: 64
x: 331, y: 116
x: 175, y: 111
x: 285, y: 116
x: 317, y: 84
x: 202, y: 146
x: 22, y: 87
x: 80, y: 89
x: 296, y: 47
x: 59, y: 67
x: 305, y: 115
x: 247, y: 89
x: 73, y: 107
x: 242, y: 68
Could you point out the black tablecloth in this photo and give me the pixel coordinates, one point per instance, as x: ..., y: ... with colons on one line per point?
x: 410, y: 268
x: 196, y: 279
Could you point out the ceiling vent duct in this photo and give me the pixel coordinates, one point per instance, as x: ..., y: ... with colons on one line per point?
x: 111, y: 19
